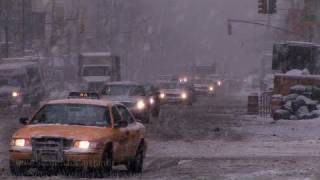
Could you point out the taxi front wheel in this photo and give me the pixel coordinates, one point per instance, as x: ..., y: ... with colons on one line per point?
x: 136, y: 165
x: 107, y: 161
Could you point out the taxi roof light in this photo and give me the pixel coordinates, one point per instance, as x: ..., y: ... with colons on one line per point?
x: 84, y: 95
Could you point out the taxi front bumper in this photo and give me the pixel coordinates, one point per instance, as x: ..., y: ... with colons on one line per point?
x: 90, y: 158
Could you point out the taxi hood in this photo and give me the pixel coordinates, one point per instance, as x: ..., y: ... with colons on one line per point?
x: 86, y: 133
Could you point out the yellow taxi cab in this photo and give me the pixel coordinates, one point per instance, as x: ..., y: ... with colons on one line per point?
x: 78, y: 132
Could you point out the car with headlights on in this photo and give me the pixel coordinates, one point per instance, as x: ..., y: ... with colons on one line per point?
x: 20, y: 82
x: 204, y: 87
x: 83, y: 134
x: 154, y: 98
x: 132, y: 95
x: 172, y: 92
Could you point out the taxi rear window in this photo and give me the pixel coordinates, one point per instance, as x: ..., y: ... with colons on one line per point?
x: 73, y: 114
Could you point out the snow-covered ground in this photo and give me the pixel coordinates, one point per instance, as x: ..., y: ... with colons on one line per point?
x: 214, y: 139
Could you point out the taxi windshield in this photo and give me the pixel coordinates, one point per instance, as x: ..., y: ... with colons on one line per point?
x: 73, y: 114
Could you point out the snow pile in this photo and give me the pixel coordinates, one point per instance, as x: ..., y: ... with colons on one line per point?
x: 301, y: 103
x: 297, y: 72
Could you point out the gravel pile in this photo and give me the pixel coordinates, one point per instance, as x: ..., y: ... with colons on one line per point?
x: 301, y: 103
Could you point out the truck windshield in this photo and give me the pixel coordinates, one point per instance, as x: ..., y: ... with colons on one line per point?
x: 96, y: 71
x: 73, y: 114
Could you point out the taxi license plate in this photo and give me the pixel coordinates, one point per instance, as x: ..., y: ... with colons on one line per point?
x: 50, y: 156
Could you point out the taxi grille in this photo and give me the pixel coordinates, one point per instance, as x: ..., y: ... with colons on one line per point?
x: 49, y: 149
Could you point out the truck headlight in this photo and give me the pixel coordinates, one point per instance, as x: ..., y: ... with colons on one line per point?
x: 162, y: 95
x: 141, y: 105
x: 20, y: 142
x: 184, y: 95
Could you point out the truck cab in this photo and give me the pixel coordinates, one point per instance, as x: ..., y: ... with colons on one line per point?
x: 98, y: 68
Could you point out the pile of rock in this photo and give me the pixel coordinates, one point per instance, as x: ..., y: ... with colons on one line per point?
x: 301, y: 103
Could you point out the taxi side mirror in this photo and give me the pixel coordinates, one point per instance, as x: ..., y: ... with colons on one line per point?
x: 24, y: 120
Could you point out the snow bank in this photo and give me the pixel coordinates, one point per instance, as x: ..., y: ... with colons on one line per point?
x: 297, y: 72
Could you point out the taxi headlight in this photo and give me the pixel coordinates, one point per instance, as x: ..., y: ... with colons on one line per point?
x: 20, y: 142
x: 15, y: 94
x: 141, y: 104
x: 184, y: 95
x: 82, y: 144
x: 162, y: 95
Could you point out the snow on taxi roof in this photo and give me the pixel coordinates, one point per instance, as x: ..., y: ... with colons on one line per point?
x: 94, y: 102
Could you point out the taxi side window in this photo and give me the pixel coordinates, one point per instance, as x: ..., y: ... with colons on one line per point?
x: 116, y: 115
x: 125, y: 114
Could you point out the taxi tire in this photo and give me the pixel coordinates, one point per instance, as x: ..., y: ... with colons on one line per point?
x: 107, y: 161
x: 136, y: 165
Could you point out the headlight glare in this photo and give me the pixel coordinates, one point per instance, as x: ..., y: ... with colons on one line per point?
x: 211, y: 88
x: 184, y: 95
x: 15, y: 94
x: 151, y: 100
x: 141, y: 104
x: 20, y: 142
x: 162, y: 95
x: 82, y: 144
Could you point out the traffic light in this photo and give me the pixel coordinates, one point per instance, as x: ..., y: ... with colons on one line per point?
x: 272, y: 6
x: 263, y: 6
